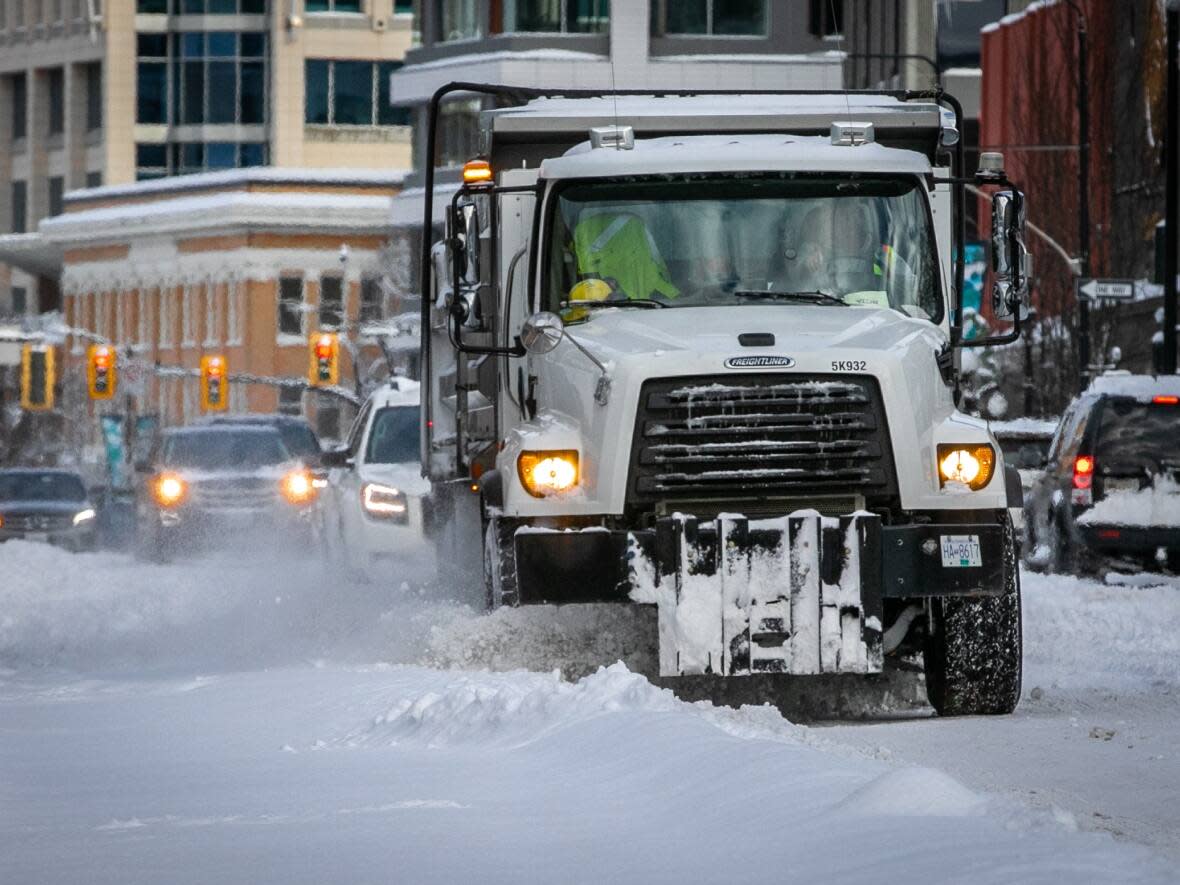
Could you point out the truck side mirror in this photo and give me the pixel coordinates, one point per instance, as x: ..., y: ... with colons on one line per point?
x: 464, y: 225
x: 1011, y: 262
x: 542, y: 332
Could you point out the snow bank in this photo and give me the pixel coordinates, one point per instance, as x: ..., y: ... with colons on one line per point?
x: 1083, y: 635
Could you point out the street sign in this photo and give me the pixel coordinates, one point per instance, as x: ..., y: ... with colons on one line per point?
x: 1115, y: 290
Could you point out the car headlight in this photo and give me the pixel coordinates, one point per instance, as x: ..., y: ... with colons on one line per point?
x: 971, y: 465
x: 384, y: 502
x: 297, y: 487
x: 169, y: 490
x: 83, y: 516
x: 548, y: 472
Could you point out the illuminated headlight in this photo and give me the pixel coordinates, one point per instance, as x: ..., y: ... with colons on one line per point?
x: 548, y: 473
x: 297, y: 487
x: 83, y: 516
x: 169, y: 490
x: 384, y: 502
x: 971, y: 465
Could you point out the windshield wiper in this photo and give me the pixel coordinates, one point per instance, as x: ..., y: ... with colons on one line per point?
x: 813, y: 296
x: 630, y: 302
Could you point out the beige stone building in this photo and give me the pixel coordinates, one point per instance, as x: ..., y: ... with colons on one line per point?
x: 107, y: 92
x: 245, y: 263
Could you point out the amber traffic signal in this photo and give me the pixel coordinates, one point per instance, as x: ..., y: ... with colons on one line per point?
x: 101, y: 374
x: 214, y: 384
x: 37, y: 377
x: 324, y: 368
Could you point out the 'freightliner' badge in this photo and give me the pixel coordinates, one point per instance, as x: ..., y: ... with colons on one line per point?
x: 759, y: 362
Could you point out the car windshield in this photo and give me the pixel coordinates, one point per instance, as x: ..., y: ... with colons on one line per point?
x: 225, y: 449
x: 709, y: 240
x: 41, y: 487
x: 300, y: 440
x: 1137, y: 435
x: 394, y: 437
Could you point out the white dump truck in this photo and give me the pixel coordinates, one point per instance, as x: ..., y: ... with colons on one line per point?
x: 699, y: 351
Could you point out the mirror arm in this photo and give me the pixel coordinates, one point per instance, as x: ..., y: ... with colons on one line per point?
x: 454, y: 328
x: 1008, y: 337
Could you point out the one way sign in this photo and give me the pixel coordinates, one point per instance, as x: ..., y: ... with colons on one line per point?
x: 1116, y: 290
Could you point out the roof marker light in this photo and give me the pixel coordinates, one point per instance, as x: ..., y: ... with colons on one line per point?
x: 477, y: 172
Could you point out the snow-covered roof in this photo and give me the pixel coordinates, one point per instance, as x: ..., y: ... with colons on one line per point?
x: 236, y: 177
x: 711, y: 113
x: 398, y: 391
x: 1024, y: 427
x: 1140, y: 387
x: 732, y: 153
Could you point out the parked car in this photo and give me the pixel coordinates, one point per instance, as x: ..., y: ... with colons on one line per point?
x: 217, y: 483
x: 1111, y: 487
x: 41, y: 504
x: 375, y: 481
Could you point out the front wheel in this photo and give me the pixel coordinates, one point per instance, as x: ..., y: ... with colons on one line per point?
x: 499, y: 561
x: 973, y: 651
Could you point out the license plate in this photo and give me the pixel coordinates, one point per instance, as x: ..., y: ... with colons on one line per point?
x: 1122, y: 485
x: 961, y: 551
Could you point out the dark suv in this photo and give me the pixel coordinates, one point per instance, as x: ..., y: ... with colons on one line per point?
x: 1111, y: 487
x: 216, y: 484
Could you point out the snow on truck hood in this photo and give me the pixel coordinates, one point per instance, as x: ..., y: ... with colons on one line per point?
x: 798, y: 329
x: 733, y: 153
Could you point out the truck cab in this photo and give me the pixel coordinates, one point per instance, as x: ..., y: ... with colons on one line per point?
x: 698, y: 352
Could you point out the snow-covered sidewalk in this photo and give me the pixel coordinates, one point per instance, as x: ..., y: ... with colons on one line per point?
x: 212, y: 722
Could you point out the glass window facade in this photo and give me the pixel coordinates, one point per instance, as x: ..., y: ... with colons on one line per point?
x: 720, y: 18
x: 93, y: 97
x: 20, y: 106
x: 331, y: 302
x: 201, y: 7
x: 190, y: 157
x: 20, y: 206
x: 350, y: 93
x: 332, y: 5
x: 56, y: 192
x: 557, y: 16
x: 57, y: 101
x: 291, y: 306
x: 459, y: 20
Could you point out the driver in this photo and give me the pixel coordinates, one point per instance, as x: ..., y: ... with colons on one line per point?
x: 617, y: 248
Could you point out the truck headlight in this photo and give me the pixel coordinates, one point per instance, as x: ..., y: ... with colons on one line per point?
x: 384, y: 502
x: 297, y: 487
x: 971, y: 465
x: 548, y: 472
x: 169, y: 490
x: 83, y: 516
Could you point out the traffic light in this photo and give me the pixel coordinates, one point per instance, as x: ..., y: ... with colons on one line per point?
x: 325, y: 359
x: 37, y: 377
x: 214, y: 384
x: 100, y: 371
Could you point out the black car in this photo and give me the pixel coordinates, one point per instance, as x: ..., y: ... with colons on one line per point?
x: 40, y: 504
x: 1111, y: 486
x: 218, y: 484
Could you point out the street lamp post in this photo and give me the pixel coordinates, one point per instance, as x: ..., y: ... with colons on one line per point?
x: 1083, y: 109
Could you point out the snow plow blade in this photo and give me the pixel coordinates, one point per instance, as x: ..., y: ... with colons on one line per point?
x: 797, y: 595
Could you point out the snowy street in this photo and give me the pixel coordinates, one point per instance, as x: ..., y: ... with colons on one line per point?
x: 217, y: 722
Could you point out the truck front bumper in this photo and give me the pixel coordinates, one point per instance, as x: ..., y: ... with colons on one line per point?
x: 800, y: 594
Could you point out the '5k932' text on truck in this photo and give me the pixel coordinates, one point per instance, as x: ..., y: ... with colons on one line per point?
x: 700, y: 352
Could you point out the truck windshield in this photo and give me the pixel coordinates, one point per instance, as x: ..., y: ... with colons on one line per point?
x: 709, y: 240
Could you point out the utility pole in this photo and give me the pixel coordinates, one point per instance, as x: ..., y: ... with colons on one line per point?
x: 1083, y: 110
x: 1172, y: 160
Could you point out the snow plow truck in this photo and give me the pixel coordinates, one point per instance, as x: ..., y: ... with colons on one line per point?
x: 700, y: 351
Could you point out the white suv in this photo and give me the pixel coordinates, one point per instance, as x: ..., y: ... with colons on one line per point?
x: 375, y: 482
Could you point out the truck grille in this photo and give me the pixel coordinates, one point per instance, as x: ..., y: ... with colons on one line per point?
x: 759, y: 436
x: 38, y: 522
x: 247, y: 493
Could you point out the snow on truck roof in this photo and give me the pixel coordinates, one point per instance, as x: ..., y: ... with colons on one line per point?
x: 1140, y: 387
x: 705, y: 113
x: 733, y: 153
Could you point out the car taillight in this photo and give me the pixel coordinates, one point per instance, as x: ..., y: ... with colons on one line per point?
x: 1083, y: 472
x: 1166, y: 400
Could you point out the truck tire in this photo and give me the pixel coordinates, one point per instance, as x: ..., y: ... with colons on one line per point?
x: 499, y: 562
x: 973, y: 651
